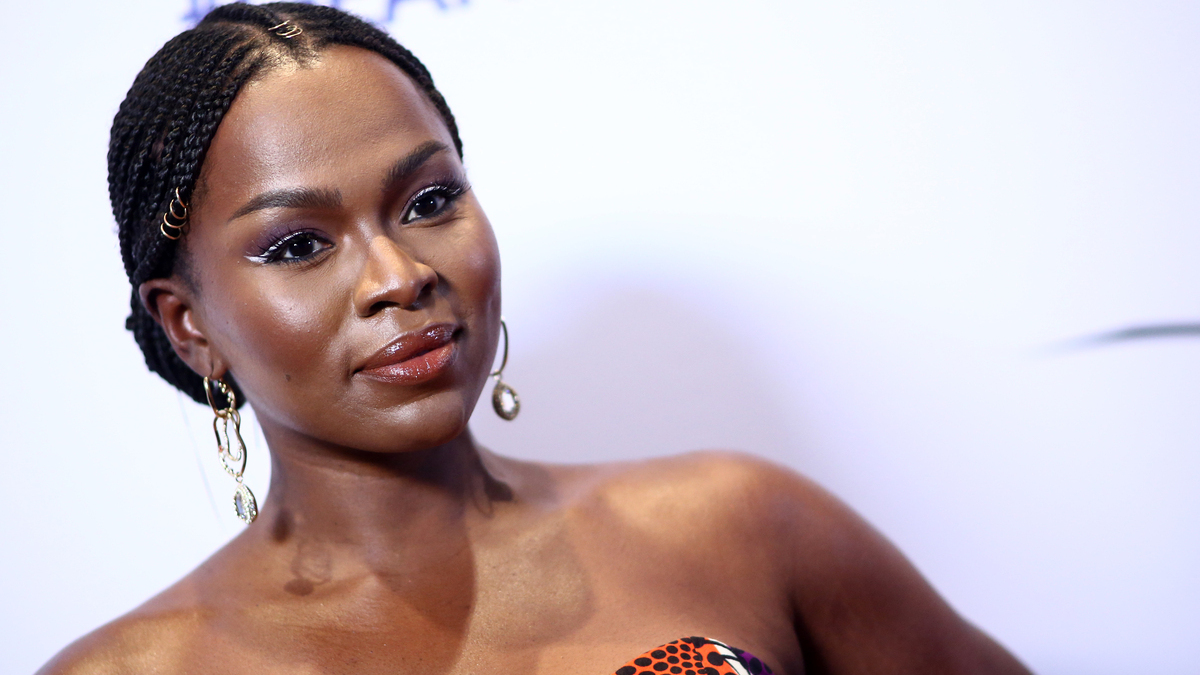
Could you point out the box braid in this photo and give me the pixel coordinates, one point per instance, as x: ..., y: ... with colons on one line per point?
x: 168, y: 119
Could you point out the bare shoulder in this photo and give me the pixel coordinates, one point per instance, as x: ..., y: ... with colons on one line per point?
x: 703, y: 501
x: 783, y: 511
x: 720, y: 487
x: 150, y: 639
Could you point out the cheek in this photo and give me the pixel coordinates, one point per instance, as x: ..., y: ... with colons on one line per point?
x: 468, y: 267
x: 279, y: 331
x: 477, y: 267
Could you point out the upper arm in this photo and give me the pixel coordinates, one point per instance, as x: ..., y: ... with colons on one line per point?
x: 135, y: 643
x: 860, y: 606
x: 94, y: 654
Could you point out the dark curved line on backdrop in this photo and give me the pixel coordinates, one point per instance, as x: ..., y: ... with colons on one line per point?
x: 1132, y: 334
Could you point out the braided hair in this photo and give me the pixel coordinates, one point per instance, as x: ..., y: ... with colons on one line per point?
x: 168, y: 119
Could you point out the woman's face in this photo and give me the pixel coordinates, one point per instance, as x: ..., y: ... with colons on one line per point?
x: 344, y: 272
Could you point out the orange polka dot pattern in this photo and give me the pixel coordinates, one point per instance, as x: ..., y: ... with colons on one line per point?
x: 695, y: 656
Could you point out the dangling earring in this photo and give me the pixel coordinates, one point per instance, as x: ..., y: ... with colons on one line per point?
x: 505, y: 401
x: 244, y: 503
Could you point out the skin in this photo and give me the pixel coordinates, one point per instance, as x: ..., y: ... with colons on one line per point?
x: 391, y: 541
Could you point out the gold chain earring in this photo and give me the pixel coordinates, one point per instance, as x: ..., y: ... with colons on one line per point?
x: 244, y: 503
x: 505, y: 401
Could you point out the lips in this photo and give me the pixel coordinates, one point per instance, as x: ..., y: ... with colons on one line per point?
x: 414, y: 357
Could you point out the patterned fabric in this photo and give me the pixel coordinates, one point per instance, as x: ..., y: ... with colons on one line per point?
x: 695, y: 656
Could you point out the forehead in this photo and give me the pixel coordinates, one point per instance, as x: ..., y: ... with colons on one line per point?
x: 329, y: 121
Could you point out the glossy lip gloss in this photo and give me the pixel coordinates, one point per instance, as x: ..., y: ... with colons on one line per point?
x: 414, y: 357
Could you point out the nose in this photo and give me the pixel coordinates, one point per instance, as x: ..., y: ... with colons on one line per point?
x: 391, y: 277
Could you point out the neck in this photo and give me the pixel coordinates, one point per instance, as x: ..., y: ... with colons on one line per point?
x: 372, y: 505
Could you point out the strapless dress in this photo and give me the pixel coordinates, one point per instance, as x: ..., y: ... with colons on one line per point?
x: 695, y: 656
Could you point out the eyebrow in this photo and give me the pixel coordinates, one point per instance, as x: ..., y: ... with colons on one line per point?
x: 326, y: 198
x: 409, y: 164
x: 291, y: 198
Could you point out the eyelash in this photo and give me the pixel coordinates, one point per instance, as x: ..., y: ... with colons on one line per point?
x: 450, y: 189
x: 273, y: 253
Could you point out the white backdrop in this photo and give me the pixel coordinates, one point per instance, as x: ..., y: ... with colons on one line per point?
x: 853, y: 239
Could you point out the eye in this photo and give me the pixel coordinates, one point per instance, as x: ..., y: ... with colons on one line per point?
x: 300, y: 247
x: 293, y: 248
x: 430, y: 202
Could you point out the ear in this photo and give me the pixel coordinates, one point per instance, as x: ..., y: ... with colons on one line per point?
x: 171, y: 302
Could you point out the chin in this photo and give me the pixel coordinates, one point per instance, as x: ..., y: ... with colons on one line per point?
x: 420, y: 425
x: 368, y: 424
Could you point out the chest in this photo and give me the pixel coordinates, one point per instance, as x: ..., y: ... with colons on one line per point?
x: 310, y: 652
x: 549, y: 601
x: 560, y: 616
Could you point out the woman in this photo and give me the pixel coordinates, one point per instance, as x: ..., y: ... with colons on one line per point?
x: 298, y: 231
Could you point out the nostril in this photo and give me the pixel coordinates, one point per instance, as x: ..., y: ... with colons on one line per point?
x: 393, y: 277
x: 382, y: 305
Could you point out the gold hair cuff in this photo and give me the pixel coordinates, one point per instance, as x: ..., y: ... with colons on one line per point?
x: 177, y: 210
x: 286, y: 29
